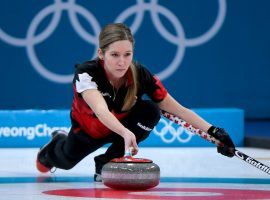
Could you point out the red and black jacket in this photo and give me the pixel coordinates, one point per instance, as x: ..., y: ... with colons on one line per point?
x: 91, y: 75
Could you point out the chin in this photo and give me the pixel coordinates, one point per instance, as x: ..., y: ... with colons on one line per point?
x: 120, y: 74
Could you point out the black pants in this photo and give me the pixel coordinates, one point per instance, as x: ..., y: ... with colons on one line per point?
x: 67, y: 152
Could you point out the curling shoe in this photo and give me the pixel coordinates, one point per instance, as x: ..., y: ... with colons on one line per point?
x: 42, y: 163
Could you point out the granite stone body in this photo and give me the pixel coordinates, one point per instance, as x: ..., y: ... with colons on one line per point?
x: 130, y: 176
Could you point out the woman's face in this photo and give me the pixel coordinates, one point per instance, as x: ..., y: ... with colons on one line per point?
x: 117, y: 58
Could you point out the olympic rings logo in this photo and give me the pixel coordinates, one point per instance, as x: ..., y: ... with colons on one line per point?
x: 169, y: 133
x: 139, y: 9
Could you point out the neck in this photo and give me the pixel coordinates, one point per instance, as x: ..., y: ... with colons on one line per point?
x: 117, y: 82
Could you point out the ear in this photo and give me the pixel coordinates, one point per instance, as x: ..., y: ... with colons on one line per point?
x: 100, y: 54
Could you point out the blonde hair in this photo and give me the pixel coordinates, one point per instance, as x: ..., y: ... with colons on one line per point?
x: 112, y: 33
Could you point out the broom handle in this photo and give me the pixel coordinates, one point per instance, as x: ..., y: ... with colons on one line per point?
x: 210, y: 138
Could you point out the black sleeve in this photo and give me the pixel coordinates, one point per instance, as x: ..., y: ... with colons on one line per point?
x: 84, y: 77
x: 151, y: 85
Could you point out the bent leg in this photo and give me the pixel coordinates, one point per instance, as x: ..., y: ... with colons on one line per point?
x: 143, y: 117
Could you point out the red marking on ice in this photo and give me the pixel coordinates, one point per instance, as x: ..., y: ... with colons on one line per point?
x: 184, y: 193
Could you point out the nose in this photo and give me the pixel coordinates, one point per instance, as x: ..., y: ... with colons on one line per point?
x: 121, y: 60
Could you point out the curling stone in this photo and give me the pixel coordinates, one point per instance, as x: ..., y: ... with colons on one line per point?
x: 128, y: 173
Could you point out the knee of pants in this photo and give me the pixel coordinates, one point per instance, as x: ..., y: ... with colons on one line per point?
x: 143, y: 117
x: 147, y: 112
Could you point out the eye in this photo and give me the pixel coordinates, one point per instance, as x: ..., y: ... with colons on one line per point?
x: 114, y: 55
x: 128, y: 54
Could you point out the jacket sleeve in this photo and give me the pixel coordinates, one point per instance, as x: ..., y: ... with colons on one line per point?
x: 151, y: 85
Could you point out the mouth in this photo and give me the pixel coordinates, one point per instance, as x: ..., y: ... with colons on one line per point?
x: 120, y: 70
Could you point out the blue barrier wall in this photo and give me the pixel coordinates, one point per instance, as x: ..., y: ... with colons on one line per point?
x: 213, y: 54
x: 32, y: 128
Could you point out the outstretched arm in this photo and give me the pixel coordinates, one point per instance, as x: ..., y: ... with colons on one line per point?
x: 170, y: 105
x: 97, y: 103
